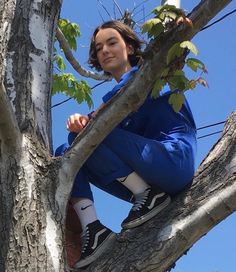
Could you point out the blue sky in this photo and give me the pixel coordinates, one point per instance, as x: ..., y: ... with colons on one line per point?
x: 215, y: 252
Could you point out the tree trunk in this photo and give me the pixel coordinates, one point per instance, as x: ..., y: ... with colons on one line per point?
x: 31, y: 225
x: 30, y: 231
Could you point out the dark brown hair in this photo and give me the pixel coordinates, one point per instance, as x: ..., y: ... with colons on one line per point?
x: 128, y: 36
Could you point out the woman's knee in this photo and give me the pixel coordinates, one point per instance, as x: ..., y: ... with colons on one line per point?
x: 61, y: 150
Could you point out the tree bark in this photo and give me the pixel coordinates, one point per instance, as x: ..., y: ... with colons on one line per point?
x: 29, y: 66
x: 31, y: 230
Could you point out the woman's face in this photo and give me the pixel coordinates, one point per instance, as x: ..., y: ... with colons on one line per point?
x: 112, y: 52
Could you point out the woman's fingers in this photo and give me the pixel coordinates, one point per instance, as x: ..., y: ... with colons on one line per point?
x: 76, y: 122
x: 84, y: 120
x: 73, y: 123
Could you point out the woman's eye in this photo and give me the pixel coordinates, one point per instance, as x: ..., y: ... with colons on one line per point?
x: 98, y: 49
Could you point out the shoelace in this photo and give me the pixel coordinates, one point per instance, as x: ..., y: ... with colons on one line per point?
x: 140, y: 200
x: 85, y: 240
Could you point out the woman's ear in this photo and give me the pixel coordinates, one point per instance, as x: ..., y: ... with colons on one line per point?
x: 130, y: 49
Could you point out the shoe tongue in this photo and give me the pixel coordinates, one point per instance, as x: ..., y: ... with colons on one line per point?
x: 93, y: 223
x: 83, y: 234
x: 140, y: 195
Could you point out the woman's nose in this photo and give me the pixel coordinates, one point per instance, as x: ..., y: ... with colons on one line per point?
x: 105, y: 49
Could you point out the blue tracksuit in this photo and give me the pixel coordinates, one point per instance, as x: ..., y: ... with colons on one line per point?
x: 155, y: 142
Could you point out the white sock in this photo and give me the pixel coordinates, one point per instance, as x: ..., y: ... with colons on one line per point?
x: 86, y: 212
x: 134, y: 183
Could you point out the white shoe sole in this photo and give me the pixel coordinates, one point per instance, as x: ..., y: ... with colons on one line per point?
x: 98, y: 252
x: 139, y: 221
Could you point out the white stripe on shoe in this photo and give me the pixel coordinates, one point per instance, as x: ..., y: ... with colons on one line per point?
x: 154, y: 200
x: 96, y: 238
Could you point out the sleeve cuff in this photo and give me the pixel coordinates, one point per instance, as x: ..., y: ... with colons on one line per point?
x: 90, y: 115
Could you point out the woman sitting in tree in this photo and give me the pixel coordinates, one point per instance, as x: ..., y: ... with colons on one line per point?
x: 145, y: 160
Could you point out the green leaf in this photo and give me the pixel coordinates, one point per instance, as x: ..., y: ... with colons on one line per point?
x: 60, y: 62
x: 70, y: 86
x: 158, y: 86
x: 86, y: 86
x: 176, y: 100
x: 71, y: 31
x: 157, y: 30
x: 147, y: 26
x: 192, y: 84
x: 174, y: 52
x: 189, y: 45
x: 165, y: 72
x: 158, y: 11
x: 178, y: 81
x: 56, y: 84
x: 179, y: 73
x: 75, y: 30
x: 88, y: 100
x: 170, y: 15
x: 59, y: 84
x: 62, y: 23
x: 195, y: 64
x: 172, y: 8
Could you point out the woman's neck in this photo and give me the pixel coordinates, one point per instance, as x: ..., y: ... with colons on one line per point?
x: 118, y: 74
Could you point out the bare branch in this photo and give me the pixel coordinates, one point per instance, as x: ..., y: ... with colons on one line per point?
x: 9, y: 129
x: 118, y: 7
x: 75, y: 64
x: 108, y: 13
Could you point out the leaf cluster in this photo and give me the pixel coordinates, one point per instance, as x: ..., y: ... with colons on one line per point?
x: 63, y: 82
x: 71, y: 31
x: 173, y: 75
x: 67, y: 84
x: 157, y: 25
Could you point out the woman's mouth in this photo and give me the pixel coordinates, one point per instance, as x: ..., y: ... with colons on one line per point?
x: 107, y: 60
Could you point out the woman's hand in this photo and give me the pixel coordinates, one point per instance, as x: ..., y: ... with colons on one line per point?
x: 76, y: 122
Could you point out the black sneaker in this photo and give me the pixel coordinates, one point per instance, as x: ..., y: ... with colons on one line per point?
x: 95, y: 241
x: 146, y: 205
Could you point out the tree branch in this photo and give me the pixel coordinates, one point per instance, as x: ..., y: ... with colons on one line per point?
x: 75, y: 64
x: 9, y: 129
x: 165, y: 238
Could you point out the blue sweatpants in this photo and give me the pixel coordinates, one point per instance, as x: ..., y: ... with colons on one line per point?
x: 167, y: 164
